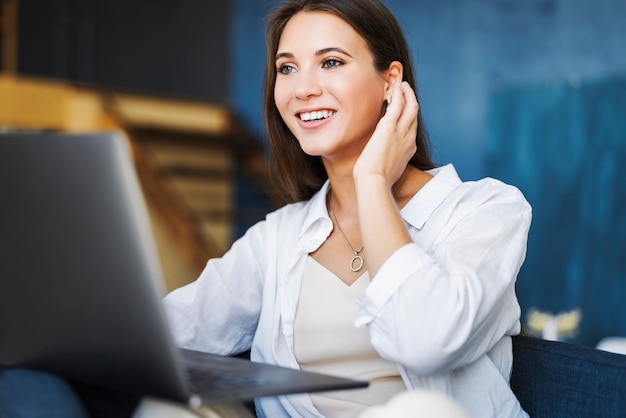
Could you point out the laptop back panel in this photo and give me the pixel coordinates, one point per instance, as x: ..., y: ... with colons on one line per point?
x: 79, y: 284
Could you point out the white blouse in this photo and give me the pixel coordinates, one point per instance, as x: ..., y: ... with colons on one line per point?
x: 442, y: 307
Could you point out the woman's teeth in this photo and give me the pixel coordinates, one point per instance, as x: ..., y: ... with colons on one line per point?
x: 322, y: 114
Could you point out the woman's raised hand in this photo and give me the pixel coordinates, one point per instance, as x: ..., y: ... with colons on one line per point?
x: 393, y: 142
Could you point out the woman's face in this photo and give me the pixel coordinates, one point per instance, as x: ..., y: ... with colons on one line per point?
x: 327, y: 90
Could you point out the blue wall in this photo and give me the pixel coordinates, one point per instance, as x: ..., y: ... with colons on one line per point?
x: 565, y: 148
x: 475, y: 62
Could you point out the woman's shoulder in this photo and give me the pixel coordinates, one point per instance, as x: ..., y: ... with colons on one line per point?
x: 495, y: 197
x: 446, y: 181
x: 493, y: 188
x: 484, y: 192
x: 299, y: 211
x: 487, y: 186
x: 291, y: 213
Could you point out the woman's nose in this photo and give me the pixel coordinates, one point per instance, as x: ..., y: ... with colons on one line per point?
x: 307, y: 86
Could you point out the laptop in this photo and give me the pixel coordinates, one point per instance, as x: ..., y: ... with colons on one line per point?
x: 81, y: 287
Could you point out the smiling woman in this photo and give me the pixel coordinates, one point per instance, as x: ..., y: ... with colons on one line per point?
x: 378, y: 41
x: 381, y: 267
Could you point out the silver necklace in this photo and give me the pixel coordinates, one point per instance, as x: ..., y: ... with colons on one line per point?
x: 356, y: 263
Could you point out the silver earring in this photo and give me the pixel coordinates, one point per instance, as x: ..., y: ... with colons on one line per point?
x: 388, y: 100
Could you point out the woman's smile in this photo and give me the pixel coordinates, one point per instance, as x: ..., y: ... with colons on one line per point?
x: 315, y: 115
x: 316, y: 118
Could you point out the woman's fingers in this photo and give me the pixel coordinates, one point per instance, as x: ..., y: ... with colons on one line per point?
x: 393, y: 142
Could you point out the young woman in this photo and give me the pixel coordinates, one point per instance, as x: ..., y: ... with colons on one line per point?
x: 381, y: 267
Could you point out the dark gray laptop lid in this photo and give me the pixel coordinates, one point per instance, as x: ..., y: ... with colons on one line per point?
x: 80, y: 285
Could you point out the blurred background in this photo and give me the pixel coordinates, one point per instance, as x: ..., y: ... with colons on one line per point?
x: 532, y: 92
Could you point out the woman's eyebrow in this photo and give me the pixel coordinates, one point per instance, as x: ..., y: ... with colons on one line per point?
x: 331, y: 49
x: 317, y: 53
x: 284, y: 55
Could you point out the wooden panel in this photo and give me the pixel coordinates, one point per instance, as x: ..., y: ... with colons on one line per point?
x: 38, y: 104
x: 173, y: 115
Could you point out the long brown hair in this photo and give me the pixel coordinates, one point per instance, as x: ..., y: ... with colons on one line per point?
x: 300, y: 175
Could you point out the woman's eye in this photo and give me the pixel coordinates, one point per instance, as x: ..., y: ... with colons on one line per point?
x: 331, y: 63
x: 286, y: 69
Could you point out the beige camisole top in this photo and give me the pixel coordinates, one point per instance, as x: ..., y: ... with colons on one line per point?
x: 326, y: 341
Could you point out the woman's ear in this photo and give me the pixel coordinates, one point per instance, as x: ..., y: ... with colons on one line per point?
x: 393, y: 75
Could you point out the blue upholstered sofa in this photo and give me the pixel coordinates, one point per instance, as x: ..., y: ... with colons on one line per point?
x: 562, y: 380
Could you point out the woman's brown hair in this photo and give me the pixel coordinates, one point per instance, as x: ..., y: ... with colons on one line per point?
x: 301, y: 175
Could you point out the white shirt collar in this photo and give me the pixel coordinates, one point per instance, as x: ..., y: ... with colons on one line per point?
x: 317, y: 209
x: 423, y: 204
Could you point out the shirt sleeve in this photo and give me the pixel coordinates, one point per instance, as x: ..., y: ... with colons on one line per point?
x: 439, y: 304
x: 218, y: 312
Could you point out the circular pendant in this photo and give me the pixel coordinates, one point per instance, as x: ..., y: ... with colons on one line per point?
x: 356, y: 263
